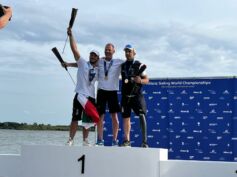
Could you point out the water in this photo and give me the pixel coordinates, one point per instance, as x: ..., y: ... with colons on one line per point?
x: 11, y: 140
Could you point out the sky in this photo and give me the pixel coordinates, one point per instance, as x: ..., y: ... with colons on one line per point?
x: 184, y: 38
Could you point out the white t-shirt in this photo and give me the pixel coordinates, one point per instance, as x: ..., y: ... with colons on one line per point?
x: 114, y: 70
x: 84, y: 86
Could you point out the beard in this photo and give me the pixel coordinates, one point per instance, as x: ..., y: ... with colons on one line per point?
x: 93, y: 62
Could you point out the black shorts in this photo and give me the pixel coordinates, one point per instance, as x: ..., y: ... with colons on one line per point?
x: 136, y: 103
x: 110, y: 97
x: 78, y: 109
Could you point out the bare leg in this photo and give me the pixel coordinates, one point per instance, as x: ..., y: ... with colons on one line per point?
x: 126, y: 128
x: 115, y: 125
x: 73, y: 129
x: 72, y: 132
x: 85, y: 133
x: 100, y: 127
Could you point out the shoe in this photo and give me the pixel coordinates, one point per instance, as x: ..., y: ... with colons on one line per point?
x: 86, y: 143
x: 100, y: 143
x: 115, y: 143
x: 126, y: 144
x: 144, y: 145
x: 70, y: 142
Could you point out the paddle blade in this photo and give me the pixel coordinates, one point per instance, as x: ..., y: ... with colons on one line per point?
x: 73, y: 17
x: 141, y: 69
x: 57, y: 54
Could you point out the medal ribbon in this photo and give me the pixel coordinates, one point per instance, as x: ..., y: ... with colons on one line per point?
x: 91, y: 73
x: 106, y: 71
x: 127, y: 70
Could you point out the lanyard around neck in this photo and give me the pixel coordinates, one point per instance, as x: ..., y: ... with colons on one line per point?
x: 92, y: 73
x: 106, y: 70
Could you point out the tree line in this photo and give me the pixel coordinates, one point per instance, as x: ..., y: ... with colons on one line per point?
x: 34, y: 126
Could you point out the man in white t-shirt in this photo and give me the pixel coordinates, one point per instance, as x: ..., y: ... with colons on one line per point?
x: 84, y: 100
x: 108, y: 85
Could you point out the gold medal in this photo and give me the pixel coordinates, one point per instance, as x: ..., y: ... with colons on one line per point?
x: 126, y: 81
x: 106, y: 78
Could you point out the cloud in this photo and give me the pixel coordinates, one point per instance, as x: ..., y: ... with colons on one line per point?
x: 175, y: 49
x: 171, y: 38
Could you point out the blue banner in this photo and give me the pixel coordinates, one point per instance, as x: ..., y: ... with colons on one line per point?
x: 194, y: 118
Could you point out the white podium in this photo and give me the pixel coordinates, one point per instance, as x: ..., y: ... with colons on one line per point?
x: 64, y: 161
x: 77, y: 161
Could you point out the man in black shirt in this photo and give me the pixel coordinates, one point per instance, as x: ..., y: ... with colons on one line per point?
x: 133, y: 77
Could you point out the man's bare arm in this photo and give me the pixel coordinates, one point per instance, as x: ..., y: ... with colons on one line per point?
x: 65, y: 64
x: 73, y: 45
x: 141, y: 80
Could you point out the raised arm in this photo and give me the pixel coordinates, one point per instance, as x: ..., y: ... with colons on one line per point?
x: 5, y: 18
x: 65, y: 64
x: 73, y: 45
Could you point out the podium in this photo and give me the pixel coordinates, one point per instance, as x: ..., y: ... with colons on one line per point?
x: 78, y: 161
